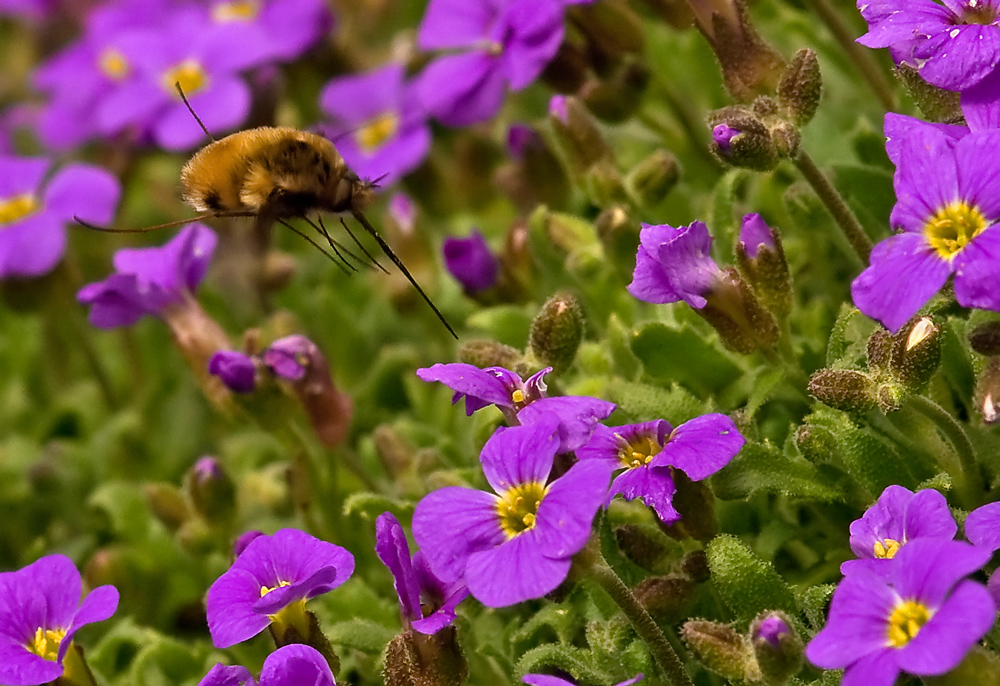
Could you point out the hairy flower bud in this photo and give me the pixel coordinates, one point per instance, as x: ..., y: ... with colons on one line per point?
x: 761, y: 257
x: 777, y: 646
x: 985, y: 338
x: 212, y: 492
x: 651, y: 180
x: 800, y: 87
x: 483, y: 353
x: 578, y: 136
x: 844, y: 389
x: 168, y: 504
x: 988, y: 392
x: 617, y: 97
x: 936, y: 104
x: 667, y: 598
x: 641, y: 546
x: 743, y: 324
x: 720, y: 648
x: 557, y: 331
x: 741, y: 139
x: 414, y: 659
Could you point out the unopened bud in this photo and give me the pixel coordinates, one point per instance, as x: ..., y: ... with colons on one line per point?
x: 611, y: 28
x: 414, y: 659
x: 800, y: 87
x: 604, y: 184
x: 617, y: 97
x: 245, y: 539
x: 843, y: 389
x: 741, y: 139
x: 695, y: 503
x: 816, y: 443
x: 720, y: 648
x: 695, y: 565
x: 890, y: 397
x: 483, y: 353
x: 535, y: 175
x: 761, y: 257
x: 199, y: 337
x: 237, y: 371
x: 988, y: 392
x: 985, y: 338
x: 777, y: 646
x: 667, y: 598
x: 651, y: 180
x: 641, y: 546
x: 743, y: 324
x: 395, y: 452
x: 577, y: 134
x: 557, y: 331
x: 168, y: 504
x: 618, y: 232
x: 212, y: 492
x: 277, y: 270
x: 786, y: 139
x: 471, y: 261
x: 917, y: 353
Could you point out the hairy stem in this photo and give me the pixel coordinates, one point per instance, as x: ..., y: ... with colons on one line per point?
x: 953, y: 431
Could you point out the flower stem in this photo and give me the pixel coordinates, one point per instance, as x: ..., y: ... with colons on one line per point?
x: 862, y: 57
x: 953, y: 431
x: 663, y: 652
x: 834, y: 202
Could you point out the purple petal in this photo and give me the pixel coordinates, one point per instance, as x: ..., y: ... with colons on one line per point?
x: 514, y: 572
x: 518, y: 455
x: 926, y: 178
x: 578, y: 416
x: 296, y: 665
x: 701, y: 447
x: 120, y: 300
x: 455, y: 23
x: 223, y: 107
x: 754, y: 233
x: 20, y: 667
x: 545, y: 680
x: 460, y: 90
x: 928, y: 516
x: 982, y: 526
x: 236, y: 370
x: 655, y: 487
x: 904, y: 273
x: 566, y: 513
x: 891, y: 26
x: 179, y: 263
x: 899, y: 127
x: 977, y: 182
x: 84, y: 191
x: 468, y: 380
x: 357, y: 98
x: 444, y: 615
x: 649, y: 280
x: 877, y: 668
x: 99, y: 605
x: 21, y: 175
x: 452, y: 523
x: 927, y: 568
x: 959, y: 57
x: 229, y: 609
x: 32, y: 246
x: 977, y: 279
x: 531, y: 32
x: 471, y: 261
x: 392, y: 548
x: 224, y: 675
x: 981, y: 103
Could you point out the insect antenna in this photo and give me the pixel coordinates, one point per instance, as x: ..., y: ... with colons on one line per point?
x: 177, y: 85
x: 179, y: 222
x: 375, y: 263
x: 348, y: 269
x: 392, y: 256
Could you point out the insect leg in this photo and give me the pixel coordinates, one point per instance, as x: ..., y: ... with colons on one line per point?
x: 179, y: 222
x: 374, y: 262
x: 347, y: 269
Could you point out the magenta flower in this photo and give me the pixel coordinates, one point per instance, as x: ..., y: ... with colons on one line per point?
x: 34, y: 213
x: 271, y: 581
x: 40, y: 612
x: 236, y: 370
x: 651, y: 450
x: 754, y: 233
x: 517, y: 543
x: 290, y: 665
x: 549, y: 680
x: 954, y: 45
x: 379, y: 125
x: 289, y: 357
x: 922, y: 616
x: 278, y: 30
x: 982, y: 528
x: 471, y: 261
x: 948, y: 203
x: 500, y: 45
x: 674, y: 265
x: 150, y: 280
x: 723, y: 135
x: 426, y: 603
x: 899, y: 516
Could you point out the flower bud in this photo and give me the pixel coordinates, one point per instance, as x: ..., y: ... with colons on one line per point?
x: 917, y: 353
x: 277, y: 270
x: 168, y: 504
x: 800, y: 87
x: 651, y: 180
x: 395, y: 453
x: 985, y: 338
x: 211, y: 490
x: 816, y: 443
x: 618, y: 232
x: 604, y: 184
x: 471, y: 262
x: 483, y: 353
x: 535, y: 175
x: 777, y: 646
x: 611, y: 28
x: 640, y: 546
x: 245, y: 539
x: 577, y: 135
x: 988, y: 392
x: 695, y: 503
x: 761, y: 257
x: 843, y: 389
x: 667, y: 598
x: 695, y: 565
x: 237, y: 371
x: 741, y: 139
x: 720, y: 648
x: 198, y: 337
x: 414, y: 659
x: 743, y: 324
x: 786, y: 139
x: 617, y: 97
x: 557, y: 331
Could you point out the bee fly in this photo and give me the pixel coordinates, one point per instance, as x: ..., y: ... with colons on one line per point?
x: 277, y: 173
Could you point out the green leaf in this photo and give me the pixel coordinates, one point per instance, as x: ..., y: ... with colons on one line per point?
x: 360, y: 634
x: 746, y: 583
x: 643, y: 402
x: 761, y: 467
x: 370, y: 505
x: 813, y: 601
x: 683, y: 356
x: 869, y: 192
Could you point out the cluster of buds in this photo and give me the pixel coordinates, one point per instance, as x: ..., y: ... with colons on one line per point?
x: 899, y: 366
x: 769, y: 653
x: 201, y: 512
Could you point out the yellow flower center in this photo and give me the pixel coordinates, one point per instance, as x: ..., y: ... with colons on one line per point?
x: 887, y: 550
x: 13, y: 209
x: 189, y: 74
x: 517, y: 396
x: 905, y: 622
x: 518, y: 508
x: 240, y: 10
x: 264, y: 590
x: 113, y: 63
x: 978, y: 13
x: 953, y: 227
x: 638, y: 452
x: 376, y: 132
x: 46, y: 642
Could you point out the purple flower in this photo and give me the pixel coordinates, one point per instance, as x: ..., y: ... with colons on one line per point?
x: 557, y: 108
x: 270, y: 581
x: 549, y: 680
x: 290, y: 665
x: 517, y: 544
x: 898, y: 517
x: 674, y: 264
x: 29, y: 9
x: 954, y: 45
x: 290, y: 357
x: 948, y: 201
x: 150, y: 280
x: 278, y: 30
x: 771, y: 629
x: 403, y: 212
x: 723, y: 135
x: 754, y: 233
x: 236, y: 370
x: 379, y: 126
x: 500, y: 45
x: 34, y: 213
x: 651, y: 450
x: 40, y: 612
x: 521, y: 401
x: 982, y: 528
x: 921, y: 617
x: 471, y: 262
x: 420, y: 592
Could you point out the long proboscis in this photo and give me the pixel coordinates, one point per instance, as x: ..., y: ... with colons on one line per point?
x: 168, y: 225
x: 399, y: 263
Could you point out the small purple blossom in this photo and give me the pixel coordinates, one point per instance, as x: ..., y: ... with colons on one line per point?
x: 899, y: 516
x: 754, y: 233
x: 471, y: 261
x: 378, y: 123
x: 651, y: 450
x: 954, y: 45
x: 290, y: 357
x: 290, y: 665
x: 403, y: 212
x: 420, y: 592
x: 41, y: 610
x: 674, y: 264
x: 34, y: 213
x: 236, y: 370
x: 271, y: 580
x: 723, y: 135
x: 150, y: 280
x: 948, y: 203
x: 771, y: 629
x: 549, y: 680
x: 516, y: 544
x: 499, y: 45
x: 244, y: 540
x: 558, y: 109
x: 278, y: 30
x: 922, y: 616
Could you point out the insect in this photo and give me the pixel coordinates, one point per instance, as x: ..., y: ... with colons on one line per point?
x: 276, y: 173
